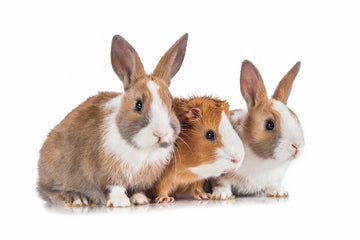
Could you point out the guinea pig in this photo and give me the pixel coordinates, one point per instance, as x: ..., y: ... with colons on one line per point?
x: 272, y: 136
x: 207, y: 146
x: 114, y: 144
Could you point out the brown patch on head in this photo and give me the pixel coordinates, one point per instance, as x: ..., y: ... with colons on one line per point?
x: 194, y: 147
x: 129, y: 120
x: 262, y: 141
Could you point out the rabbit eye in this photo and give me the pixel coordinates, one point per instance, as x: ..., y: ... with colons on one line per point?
x: 269, y: 125
x: 138, y: 106
x: 210, y: 135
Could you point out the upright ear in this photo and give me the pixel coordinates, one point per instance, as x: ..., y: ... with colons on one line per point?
x: 171, y: 62
x: 125, y: 61
x: 283, y: 90
x: 251, y: 85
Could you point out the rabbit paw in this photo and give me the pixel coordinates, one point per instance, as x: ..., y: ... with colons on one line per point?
x: 139, y: 199
x: 73, y: 199
x: 120, y: 201
x: 164, y: 199
x: 222, y: 193
x: 276, y: 192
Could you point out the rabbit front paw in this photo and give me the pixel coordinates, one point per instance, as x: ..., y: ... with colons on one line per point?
x: 139, y: 199
x: 276, y: 192
x: 222, y: 193
x: 121, y: 201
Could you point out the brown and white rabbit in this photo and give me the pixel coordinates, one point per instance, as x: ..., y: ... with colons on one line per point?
x: 272, y: 136
x: 207, y: 146
x: 115, y: 144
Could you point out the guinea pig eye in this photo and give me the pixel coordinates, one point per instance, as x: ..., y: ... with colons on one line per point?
x: 210, y: 135
x: 269, y: 125
x: 138, y: 106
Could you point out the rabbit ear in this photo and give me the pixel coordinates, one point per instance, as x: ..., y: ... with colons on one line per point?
x: 171, y: 62
x: 125, y: 61
x: 283, y: 90
x: 251, y: 85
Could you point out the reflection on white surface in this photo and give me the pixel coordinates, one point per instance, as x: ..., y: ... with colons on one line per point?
x: 178, y: 204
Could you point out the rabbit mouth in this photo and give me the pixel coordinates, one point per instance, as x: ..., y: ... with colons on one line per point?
x: 164, y: 144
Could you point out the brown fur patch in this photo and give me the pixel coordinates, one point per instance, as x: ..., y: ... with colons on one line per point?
x: 262, y: 141
x: 193, y: 149
x: 73, y: 160
x: 284, y: 87
x: 71, y: 155
x: 129, y: 121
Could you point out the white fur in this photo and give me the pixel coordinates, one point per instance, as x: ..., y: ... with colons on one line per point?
x: 223, y: 190
x: 77, y: 202
x: 158, y: 121
x: 291, y: 133
x: 257, y: 174
x: 134, y: 158
x: 117, y: 197
x: 232, y: 149
x: 277, y: 191
x: 238, y: 114
x: 139, y: 199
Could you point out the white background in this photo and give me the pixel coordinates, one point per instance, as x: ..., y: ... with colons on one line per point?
x: 53, y: 55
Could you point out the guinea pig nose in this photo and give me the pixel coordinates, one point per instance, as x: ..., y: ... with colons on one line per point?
x: 233, y: 160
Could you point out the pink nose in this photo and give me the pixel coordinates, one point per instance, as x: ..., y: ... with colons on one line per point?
x: 233, y: 160
x: 159, y: 133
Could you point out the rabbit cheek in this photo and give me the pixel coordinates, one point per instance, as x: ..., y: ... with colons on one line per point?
x: 175, y: 125
x: 129, y: 128
x: 292, y: 139
x: 266, y: 149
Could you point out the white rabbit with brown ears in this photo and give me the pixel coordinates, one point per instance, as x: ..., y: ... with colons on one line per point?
x: 272, y: 137
x: 115, y: 145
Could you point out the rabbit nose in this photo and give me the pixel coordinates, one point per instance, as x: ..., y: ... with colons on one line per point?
x: 296, y: 148
x: 160, y: 133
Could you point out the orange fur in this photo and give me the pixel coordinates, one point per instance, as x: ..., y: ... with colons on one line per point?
x: 192, y: 149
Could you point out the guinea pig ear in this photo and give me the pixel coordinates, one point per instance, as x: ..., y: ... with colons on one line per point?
x: 125, y: 61
x: 171, y: 62
x: 283, y: 90
x: 251, y: 85
x: 186, y: 117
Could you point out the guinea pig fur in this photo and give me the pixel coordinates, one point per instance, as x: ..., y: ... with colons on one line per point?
x: 207, y: 146
x: 114, y: 144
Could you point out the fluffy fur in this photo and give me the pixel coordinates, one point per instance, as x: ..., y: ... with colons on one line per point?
x: 267, y: 153
x: 106, y: 148
x: 197, y: 158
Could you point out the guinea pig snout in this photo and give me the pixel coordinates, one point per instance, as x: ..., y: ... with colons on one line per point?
x: 236, y: 159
